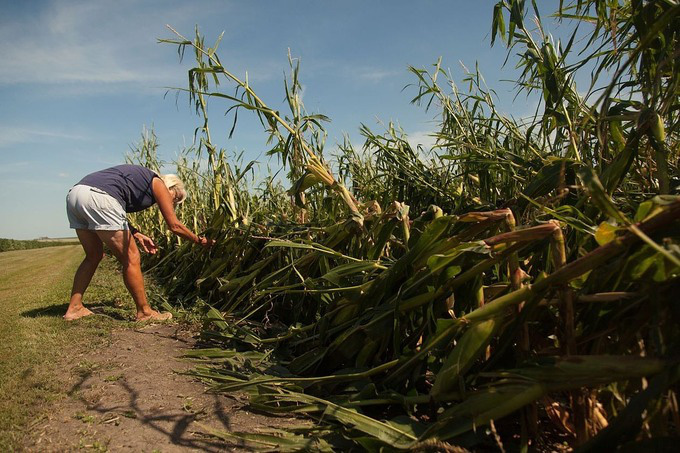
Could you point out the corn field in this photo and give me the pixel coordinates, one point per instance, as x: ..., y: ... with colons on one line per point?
x: 512, y: 288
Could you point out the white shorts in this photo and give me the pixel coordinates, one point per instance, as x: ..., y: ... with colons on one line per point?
x: 89, y: 208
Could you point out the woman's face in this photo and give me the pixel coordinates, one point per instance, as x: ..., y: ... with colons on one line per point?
x: 176, y: 197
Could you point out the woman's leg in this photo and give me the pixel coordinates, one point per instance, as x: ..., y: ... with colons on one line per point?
x: 94, y: 251
x: 123, y: 246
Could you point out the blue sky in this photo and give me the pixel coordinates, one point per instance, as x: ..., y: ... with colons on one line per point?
x: 80, y: 79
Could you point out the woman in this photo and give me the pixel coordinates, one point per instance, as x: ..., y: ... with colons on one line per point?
x: 97, y: 208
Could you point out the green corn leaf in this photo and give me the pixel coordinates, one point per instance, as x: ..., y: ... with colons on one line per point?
x: 564, y: 373
x: 394, y: 436
x: 339, y: 273
x: 599, y: 196
x: 216, y: 318
x: 606, y: 232
x: 277, y: 440
x: 468, y: 349
x: 310, y: 246
x: 438, y: 262
x: 477, y: 410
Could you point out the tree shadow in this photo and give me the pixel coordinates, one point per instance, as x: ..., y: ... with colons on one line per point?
x: 171, y: 422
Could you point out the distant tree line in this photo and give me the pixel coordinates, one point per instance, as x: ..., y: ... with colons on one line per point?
x: 15, y: 244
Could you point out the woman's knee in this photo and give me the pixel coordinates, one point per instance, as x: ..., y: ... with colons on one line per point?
x: 94, y: 258
x: 133, y: 257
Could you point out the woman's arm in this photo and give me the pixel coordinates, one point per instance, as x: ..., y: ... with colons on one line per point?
x: 165, y: 204
x: 145, y: 242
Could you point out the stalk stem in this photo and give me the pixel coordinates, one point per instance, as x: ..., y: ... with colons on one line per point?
x: 260, y: 105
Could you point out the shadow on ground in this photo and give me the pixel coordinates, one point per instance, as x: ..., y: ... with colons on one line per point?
x: 172, y: 423
x: 133, y: 395
x: 106, y: 308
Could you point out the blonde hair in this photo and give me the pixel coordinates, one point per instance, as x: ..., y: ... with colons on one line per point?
x: 172, y: 182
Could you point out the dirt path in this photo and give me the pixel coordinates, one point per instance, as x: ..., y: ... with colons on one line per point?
x: 102, y: 383
x: 127, y: 396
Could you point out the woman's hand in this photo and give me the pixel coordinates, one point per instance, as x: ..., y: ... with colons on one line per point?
x: 164, y: 199
x: 146, y: 243
x: 205, y: 242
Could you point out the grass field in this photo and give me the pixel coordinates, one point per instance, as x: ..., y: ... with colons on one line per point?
x: 34, y: 340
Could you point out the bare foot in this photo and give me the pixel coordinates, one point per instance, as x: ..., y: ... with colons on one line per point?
x: 77, y: 313
x: 154, y: 316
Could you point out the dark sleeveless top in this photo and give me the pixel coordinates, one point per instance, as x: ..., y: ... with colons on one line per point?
x: 129, y: 184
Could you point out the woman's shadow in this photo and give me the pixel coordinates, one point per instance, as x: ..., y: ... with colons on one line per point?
x: 109, y: 309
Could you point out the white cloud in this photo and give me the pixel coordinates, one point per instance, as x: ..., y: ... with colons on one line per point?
x: 17, y: 135
x: 421, y: 138
x: 83, y: 42
x: 375, y: 74
x: 87, y: 46
x: 10, y: 168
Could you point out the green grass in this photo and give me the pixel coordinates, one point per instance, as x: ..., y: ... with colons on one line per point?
x: 35, y: 342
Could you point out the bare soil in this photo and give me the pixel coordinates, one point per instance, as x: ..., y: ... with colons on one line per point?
x: 129, y: 395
